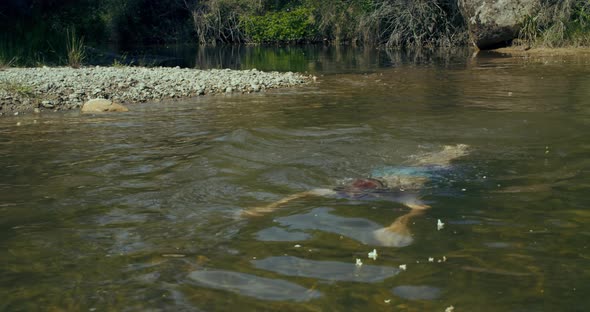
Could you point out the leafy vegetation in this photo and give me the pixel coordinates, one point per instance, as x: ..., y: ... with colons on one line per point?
x: 292, y: 25
x: 38, y: 32
x: 558, y: 24
x: 420, y: 23
x: 75, y: 49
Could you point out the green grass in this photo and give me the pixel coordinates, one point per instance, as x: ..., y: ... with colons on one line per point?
x: 7, y: 62
x: 17, y: 88
x: 530, y: 29
x: 561, y: 24
x: 75, y: 49
x: 118, y: 64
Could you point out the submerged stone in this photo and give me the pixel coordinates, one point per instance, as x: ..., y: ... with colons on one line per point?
x: 102, y: 105
x: 277, y: 234
x: 417, y: 292
x: 253, y: 286
x: 326, y: 270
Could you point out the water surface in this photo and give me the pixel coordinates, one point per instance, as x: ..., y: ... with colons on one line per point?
x: 141, y: 210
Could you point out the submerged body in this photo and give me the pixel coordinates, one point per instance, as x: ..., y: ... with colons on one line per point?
x: 402, y: 184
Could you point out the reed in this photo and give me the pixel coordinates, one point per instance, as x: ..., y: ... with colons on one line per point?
x: 74, y: 49
x: 6, y: 62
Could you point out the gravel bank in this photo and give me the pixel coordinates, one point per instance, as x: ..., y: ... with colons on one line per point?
x: 65, y: 88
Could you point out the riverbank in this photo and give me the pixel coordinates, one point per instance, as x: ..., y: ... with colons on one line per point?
x: 63, y: 88
x: 524, y: 52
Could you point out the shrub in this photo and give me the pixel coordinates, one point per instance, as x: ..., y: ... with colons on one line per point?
x: 418, y: 23
x: 558, y: 24
x: 394, y: 23
x: 219, y: 20
x: 292, y: 25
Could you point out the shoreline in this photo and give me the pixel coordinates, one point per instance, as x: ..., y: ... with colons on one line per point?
x: 38, y: 89
x: 541, y: 51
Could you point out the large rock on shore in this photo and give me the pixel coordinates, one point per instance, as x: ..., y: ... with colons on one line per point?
x: 495, y: 23
x: 102, y: 105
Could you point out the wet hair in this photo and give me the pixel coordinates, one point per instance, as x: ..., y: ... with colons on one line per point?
x: 367, y: 183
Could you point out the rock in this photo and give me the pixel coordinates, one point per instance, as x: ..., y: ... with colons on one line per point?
x: 495, y: 23
x: 102, y: 105
x: 47, y: 104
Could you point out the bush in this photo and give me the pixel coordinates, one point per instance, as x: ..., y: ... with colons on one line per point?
x: 419, y: 23
x: 393, y: 23
x: 220, y: 20
x: 558, y: 24
x: 292, y: 25
x: 341, y: 21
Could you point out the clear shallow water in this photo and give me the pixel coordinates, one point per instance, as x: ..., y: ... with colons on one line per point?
x: 140, y: 210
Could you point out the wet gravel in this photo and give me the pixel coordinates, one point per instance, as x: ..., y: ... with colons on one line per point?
x: 63, y: 88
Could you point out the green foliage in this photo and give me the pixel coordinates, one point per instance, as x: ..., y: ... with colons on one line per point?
x: 529, y: 29
x: 75, y: 49
x: 37, y: 29
x: 292, y: 25
x: 394, y: 23
x: 579, y: 25
x: 17, y: 88
x: 558, y: 24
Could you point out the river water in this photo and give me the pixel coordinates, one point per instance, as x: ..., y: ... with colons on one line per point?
x: 140, y: 211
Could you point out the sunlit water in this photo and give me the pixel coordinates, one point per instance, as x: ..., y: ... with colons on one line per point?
x: 141, y: 211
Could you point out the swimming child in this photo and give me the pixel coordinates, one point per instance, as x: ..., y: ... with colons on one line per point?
x: 401, y: 184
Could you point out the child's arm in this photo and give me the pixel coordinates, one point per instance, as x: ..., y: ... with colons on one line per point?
x: 258, y: 211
